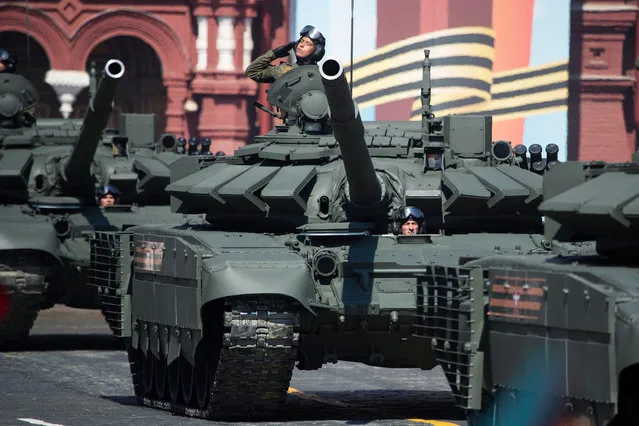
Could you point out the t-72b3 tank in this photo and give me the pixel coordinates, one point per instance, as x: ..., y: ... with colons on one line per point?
x: 49, y: 177
x: 297, y: 264
x: 560, y: 331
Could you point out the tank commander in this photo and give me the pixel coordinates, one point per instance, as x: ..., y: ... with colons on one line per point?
x: 7, y: 62
x: 309, y: 50
x: 107, y: 195
x: 409, y: 221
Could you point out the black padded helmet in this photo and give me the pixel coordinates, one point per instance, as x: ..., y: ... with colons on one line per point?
x: 108, y: 189
x: 409, y: 212
x: 318, y: 40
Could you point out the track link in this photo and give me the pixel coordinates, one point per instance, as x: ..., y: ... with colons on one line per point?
x: 251, y: 375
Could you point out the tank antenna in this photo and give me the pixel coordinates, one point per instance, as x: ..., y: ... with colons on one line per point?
x: 351, y: 82
x: 93, y: 80
x: 28, y: 32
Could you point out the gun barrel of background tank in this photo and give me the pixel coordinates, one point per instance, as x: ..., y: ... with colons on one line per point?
x: 364, y: 187
x: 95, y: 120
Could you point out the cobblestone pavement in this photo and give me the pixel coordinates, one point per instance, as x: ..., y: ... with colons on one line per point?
x: 73, y: 372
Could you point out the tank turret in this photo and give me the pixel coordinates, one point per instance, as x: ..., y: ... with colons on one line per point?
x: 579, y: 206
x: 323, y: 165
x: 77, y: 170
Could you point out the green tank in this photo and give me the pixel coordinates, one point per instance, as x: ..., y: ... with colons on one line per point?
x: 559, y: 334
x: 49, y: 175
x: 300, y: 263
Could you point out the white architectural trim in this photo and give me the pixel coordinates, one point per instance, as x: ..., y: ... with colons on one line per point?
x: 247, y: 43
x: 67, y: 84
x: 202, y: 43
x: 225, y: 43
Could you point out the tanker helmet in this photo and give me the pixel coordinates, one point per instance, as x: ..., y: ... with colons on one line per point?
x: 409, y: 213
x: 318, y: 40
x: 108, y: 189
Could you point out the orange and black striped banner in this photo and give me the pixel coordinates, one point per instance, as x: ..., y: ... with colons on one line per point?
x: 148, y: 256
x: 516, y: 295
x: 462, y: 77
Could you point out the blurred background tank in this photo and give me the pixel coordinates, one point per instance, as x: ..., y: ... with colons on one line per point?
x: 50, y: 178
x: 301, y: 261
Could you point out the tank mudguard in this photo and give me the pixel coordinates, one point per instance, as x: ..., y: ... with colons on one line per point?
x: 32, y: 236
x: 273, y: 271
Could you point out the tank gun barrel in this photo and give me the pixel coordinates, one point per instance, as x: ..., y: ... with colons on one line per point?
x: 95, y: 120
x: 364, y: 187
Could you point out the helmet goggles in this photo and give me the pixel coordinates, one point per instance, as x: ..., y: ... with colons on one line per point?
x: 411, y: 212
x: 108, y: 189
x: 311, y: 32
x: 4, y: 55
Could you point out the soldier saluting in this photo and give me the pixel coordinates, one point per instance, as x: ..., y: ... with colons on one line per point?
x: 309, y: 50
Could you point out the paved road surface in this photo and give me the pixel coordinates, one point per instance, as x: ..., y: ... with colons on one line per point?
x: 73, y: 372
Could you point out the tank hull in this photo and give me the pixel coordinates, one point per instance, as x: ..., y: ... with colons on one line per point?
x: 45, y: 259
x: 560, y: 341
x: 190, y: 293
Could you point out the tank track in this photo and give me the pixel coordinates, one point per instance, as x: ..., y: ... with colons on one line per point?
x: 24, y: 279
x: 256, y: 360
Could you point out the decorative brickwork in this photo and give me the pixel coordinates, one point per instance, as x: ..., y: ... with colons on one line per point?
x: 602, y: 109
x: 207, y: 93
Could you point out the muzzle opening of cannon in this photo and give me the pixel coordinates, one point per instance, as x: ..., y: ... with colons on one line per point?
x: 331, y: 69
x: 114, y: 68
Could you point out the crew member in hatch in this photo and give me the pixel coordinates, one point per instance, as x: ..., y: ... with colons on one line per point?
x: 309, y: 50
x: 108, y: 195
x: 410, y: 221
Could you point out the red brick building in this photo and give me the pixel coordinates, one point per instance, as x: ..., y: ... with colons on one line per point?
x: 184, y: 61
x: 603, y: 109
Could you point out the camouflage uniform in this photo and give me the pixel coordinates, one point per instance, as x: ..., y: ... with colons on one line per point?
x: 261, y: 71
